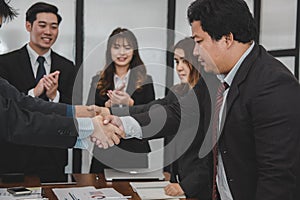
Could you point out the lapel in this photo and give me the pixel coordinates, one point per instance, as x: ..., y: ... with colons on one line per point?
x: 240, y: 78
x: 25, y: 66
x: 54, y: 62
x: 131, y: 83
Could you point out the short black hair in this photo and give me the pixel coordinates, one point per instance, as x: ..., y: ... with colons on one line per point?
x: 222, y: 17
x: 7, y: 11
x: 41, y: 7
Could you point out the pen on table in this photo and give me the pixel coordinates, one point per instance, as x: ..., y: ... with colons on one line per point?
x: 73, y: 196
x: 122, y: 197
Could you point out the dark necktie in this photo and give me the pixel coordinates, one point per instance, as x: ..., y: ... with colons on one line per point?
x: 40, y: 73
x: 219, y: 101
x: 41, y: 69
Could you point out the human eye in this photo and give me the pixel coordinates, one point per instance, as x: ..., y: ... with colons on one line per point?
x: 42, y: 25
x: 115, y: 46
x: 128, y: 47
x: 176, y: 61
x: 54, y: 26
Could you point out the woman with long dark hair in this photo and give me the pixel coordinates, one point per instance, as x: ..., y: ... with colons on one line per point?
x: 123, y: 82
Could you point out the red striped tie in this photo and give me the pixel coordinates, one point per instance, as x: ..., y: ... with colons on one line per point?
x: 219, y: 101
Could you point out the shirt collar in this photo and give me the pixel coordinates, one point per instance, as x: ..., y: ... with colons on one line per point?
x: 33, y: 55
x: 229, y: 77
x: 118, y: 81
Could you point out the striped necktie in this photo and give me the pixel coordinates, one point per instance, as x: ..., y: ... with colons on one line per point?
x: 219, y: 101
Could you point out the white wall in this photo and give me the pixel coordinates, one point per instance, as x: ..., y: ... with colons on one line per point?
x: 146, y: 19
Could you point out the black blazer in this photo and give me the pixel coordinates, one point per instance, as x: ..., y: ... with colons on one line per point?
x: 19, y: 125
x: 192, y: 172
x: 16, y: 68
x: 143, y: 96
x: 183, y: 162
x: 260, y: 140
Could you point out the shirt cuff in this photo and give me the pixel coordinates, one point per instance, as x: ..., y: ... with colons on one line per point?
x: 85, y: 127
x: 82, y: 143
x: 131, y: 127
x: 70, y: 110
x: 31, y: 93
x: 56, y: 99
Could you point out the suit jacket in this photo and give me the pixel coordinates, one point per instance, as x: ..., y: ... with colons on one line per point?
x: 143, y: 96
x: 19, y: 125
x: 259, y: 142
x: 260, y: 137
x: 16, y: 68
x: 192, y: 173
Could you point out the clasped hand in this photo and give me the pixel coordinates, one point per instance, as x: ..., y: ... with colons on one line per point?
x: 108, y: 129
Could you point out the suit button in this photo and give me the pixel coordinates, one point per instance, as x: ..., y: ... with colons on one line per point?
x: 231, y: 180
x: 224, y: 152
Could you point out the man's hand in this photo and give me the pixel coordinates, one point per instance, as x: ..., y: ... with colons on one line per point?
x: 173, y: 189
x: 51, y: 84
x: 105, y: 136
x: 97, y: 110
x: 90, y: 111
x: 115, y: 120
x: 39, y: 88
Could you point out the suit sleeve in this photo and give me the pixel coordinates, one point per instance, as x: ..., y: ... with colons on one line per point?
x: 182, y: 116
x: 276, y: 114
x: 21, y: 126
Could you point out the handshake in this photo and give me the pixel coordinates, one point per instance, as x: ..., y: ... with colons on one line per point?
x: 108, y: 129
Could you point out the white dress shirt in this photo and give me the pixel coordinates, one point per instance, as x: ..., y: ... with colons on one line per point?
x: 34, y: 64
x: 222, y: 183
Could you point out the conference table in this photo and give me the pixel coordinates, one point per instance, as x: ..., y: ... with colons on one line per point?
x: 96, y: 180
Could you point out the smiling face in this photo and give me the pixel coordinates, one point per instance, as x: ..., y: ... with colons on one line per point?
x: 211, y: 53
x: 121, y: 52
x: 182, y: 65
x: 43, y: 32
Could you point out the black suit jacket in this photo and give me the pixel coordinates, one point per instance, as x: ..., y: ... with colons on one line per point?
x: 192, y: 173
x: 259, y: 142
x: 260, y: 137
x: 16, y: 68
x: 143, y: 96
x: 19, y: 125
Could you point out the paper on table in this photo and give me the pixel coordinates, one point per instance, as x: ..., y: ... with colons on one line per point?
x: 87, y: 193
x: 152, y: 190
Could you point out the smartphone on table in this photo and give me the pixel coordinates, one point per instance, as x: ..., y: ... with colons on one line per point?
x: 16, y: 191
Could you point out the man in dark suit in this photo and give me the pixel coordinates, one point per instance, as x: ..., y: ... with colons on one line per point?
x: 30, y: 121
x: 21, y: 69
x: 258, y: 146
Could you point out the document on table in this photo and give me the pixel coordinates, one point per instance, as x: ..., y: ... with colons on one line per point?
x: 152, y: 190
x: 36, y: 194
x: 87, y: 193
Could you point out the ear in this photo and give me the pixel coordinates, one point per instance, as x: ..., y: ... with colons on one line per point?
x: 229, y: 39
x: 28, y: 26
